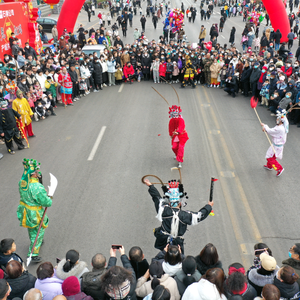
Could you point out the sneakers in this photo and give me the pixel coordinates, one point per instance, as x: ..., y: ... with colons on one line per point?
x: 36, y: 259
x: 96, y: 91
x: 11, y: 151
x: 104, y: 85
x: 53, y: 114
x: 279, y: 172
x: 2, y: 142
x: 74, y: 100
x: 273, y: 115
x: 267, y: 168
x: 179, y: 165
x: 214, y: 85
x: 211, y: 85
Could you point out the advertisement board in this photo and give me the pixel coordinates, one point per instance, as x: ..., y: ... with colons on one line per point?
x: 13, y: 18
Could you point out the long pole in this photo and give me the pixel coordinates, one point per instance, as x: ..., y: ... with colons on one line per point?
x: 37, y: 235
x: 265, y: 131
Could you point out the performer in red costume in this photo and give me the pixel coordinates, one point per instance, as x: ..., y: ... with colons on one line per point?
x: 177, y: 133
x: 66, y: 87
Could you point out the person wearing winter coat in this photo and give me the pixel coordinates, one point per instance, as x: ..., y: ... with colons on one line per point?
x: 205, y: 288
x: 208, y: 259
x: 170, y: 258
x: 20, y: 281
x: 155, y: 70
x: 202, y: 34
x: 138, y: 262
x: 118, y: 282
x: 97, y: 73
x: 8, y: 252
x: 214, y: 69
x: 91, y: 281
x: 128, y: 72
x: 136, y: 34
x: 286, y: 281
x: 71, y: 266
x: 251, y: 36
x: 294, y: 258
x: 103, y: 63
x: 236, y: 283
x: 143, y: 287
x: 47, y: 282
x: 71, y: 289
x: 188, y: 275
x: 111, y: 69
x: 232, y: 35
x: 258, y: 278
x: 254, y: 77
x: 277, y: 37
x: 146, y: 65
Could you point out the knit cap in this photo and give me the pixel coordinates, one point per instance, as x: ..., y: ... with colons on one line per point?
x: 71, y: 286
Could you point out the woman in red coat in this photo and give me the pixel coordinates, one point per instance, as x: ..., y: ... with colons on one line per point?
x: 128, y: 72
x: 177, y: 133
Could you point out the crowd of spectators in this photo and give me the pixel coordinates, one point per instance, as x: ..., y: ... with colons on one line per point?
x: 168, y: 275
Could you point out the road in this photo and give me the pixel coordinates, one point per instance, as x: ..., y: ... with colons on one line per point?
x: 100, y: 202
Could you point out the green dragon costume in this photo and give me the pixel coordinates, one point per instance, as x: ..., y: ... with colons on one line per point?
x: 33, y: 199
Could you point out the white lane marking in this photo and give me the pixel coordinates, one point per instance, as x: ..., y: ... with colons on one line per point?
x: 121, y: 88
x: 97, y: 143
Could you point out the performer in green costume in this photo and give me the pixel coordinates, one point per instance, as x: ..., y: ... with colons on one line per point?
x: 33, y: 199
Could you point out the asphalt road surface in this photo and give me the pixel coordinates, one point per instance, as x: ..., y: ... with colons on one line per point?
x: 100, y: 199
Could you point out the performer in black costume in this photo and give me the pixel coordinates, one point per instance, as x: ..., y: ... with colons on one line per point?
x: 174, y: 220
x: 8, y: 127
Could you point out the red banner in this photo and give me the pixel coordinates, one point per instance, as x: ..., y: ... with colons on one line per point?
x: 13, y: 18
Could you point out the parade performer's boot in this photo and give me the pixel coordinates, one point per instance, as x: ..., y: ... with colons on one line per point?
x: 36, y: 259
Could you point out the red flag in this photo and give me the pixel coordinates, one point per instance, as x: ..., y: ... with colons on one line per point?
x: 22, y: 130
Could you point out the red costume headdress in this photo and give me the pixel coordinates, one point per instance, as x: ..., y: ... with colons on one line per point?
x: 175, y: 111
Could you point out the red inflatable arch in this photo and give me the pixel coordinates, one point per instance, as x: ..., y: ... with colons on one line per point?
x: 275, y: 8
x: 68, y: 15
x: 278, y: 17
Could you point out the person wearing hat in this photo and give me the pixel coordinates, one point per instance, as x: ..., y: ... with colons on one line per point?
x: 169, y: 209
x: 8, y: 127
x: 21, y: 106
x: 5, y: 289
x: 71, y: 289
x: 258, y: 278
x: 33, y: 199
x: 278, y: 135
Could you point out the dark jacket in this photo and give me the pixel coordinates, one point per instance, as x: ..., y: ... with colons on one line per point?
x: 277, y: 36
x: 287, y: 291
x: 9, y: 123
x: 21, y: 285
x: 232, y: 34
x: 97, y: 74
x: 30, y: 51
x: 249, y: 294
x: 73, y: 75
x: 146, y: 62
x: 91, y: 283
x: 126, y: 264
x: 258, y: 281
x: 140, y: 268
x: 180, y: 275
x: 255, y: 75
x: 246, y: 74
x: 294, y: 264
x: 202, y: 268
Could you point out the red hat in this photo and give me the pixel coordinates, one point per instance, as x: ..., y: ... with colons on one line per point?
x: 265, y: 68
x: 71, y: 286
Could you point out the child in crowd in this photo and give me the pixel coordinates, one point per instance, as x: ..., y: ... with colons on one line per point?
x: 47, y: 105
x: 139, y: 72
x: 40, y: 111
x: 50, y: 86
x: 38, y: 90
x: 264, y: 92
x: 30, y: 100
x: 162, y: 68
x: 223, y: 73
x: 119, y: 74
x: 175, y: 73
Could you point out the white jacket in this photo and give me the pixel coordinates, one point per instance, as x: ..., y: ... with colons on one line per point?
x: 41, y: 80
x: 104, y: 66
x: 85, y: 72
x: 202, y: 290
